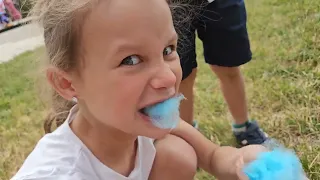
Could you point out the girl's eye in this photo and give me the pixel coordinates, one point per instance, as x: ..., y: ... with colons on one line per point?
x: 168, y: 50
x: 131, y: 60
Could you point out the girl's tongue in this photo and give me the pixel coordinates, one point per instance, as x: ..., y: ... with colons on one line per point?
x: 165, y: 115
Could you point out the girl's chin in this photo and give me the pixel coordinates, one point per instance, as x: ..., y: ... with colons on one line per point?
x: 153, y: 131
x: 157, y: 135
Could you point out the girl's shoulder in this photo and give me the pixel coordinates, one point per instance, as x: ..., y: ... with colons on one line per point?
x: 71, y: 176
x: 54, y: 157
x: 62, y: 156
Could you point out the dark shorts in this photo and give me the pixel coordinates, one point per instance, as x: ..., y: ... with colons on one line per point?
x: 221, y: 27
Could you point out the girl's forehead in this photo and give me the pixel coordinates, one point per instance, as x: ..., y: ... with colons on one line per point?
x: 133, y: 20
x: 137, y: 11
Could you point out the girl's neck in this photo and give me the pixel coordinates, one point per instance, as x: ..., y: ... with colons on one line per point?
x: 114, y: 148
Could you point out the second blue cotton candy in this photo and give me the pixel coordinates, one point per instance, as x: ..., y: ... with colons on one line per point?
x: 278, y: 164
x: 165, y: 115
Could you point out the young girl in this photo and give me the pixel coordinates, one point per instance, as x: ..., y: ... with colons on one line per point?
x: 116, y: 58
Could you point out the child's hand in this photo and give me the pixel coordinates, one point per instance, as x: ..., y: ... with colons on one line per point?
x: 225, y: 163
x: 228, y: 162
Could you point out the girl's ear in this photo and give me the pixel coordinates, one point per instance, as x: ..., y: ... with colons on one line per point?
x: 61, y: 82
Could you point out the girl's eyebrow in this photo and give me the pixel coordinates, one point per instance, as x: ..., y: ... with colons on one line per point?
x: 122, y: 46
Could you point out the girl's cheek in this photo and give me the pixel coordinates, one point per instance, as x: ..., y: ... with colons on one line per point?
x: 178, y: 72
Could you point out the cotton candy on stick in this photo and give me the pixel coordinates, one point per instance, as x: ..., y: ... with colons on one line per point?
x: 279, y: 163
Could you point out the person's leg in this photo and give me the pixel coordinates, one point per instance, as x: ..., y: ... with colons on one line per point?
x: 186, y: 106
x: 233, y: 89
x: 226, y: 48
x: 187, y: 53
x: 175, y: 159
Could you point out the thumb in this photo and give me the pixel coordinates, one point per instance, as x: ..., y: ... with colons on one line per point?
x: 240, y: 174
x: 251, y: 152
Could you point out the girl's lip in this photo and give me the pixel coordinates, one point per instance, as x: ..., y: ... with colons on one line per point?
x: 158, y: 101
x: 144, y: 117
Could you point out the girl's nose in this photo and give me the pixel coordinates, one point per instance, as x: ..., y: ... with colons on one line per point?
x: 164, y: 78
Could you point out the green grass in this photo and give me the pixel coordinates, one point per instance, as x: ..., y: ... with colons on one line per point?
x: 282, y: 82
x: 20, y: 112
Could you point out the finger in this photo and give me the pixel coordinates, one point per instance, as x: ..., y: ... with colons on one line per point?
x: 240, y: 174
x: 251, y: 152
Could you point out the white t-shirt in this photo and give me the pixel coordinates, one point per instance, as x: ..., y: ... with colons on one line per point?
x: 61, y: 155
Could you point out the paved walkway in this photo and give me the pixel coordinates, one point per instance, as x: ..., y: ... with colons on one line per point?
x: 21, y: 39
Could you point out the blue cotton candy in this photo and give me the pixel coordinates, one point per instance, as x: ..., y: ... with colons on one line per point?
x: 165, y: 115
x: 277, y: 164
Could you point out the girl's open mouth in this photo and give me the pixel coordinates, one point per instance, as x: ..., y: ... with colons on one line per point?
x: 165, y: 114
x: 144, y: 115
x: 142, y: 111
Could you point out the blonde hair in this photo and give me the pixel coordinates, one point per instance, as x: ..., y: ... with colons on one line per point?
x: 61, y: 21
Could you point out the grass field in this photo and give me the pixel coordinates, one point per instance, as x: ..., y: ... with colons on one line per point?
x: 282, y: 81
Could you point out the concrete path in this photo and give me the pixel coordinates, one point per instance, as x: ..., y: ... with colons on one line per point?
x: 21, y: 39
